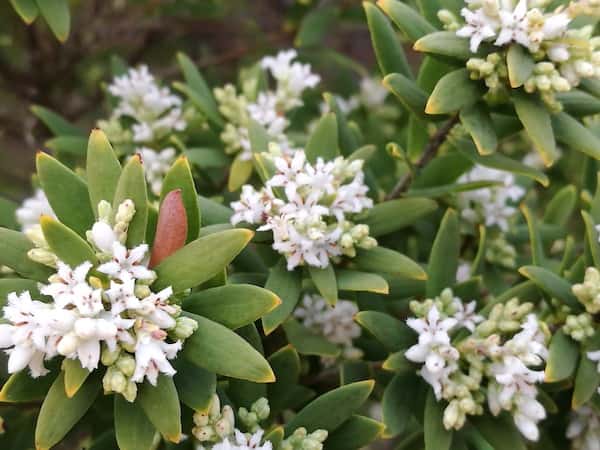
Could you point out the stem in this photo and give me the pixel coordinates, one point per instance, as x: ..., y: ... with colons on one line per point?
x: 429, y: 153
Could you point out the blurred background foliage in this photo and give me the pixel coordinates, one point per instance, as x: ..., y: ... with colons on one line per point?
x: 219, y: 35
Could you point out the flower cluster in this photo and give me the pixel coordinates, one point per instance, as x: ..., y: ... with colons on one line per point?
x: 500, y: 354
x: 269, y: 107
x: 215, y: 429
x: 29, y: 213
x: 371, y: 96
x: 584, y: 429
x: 308, y: 207
x: 563, y: 55
x: 155, y: 110
x: 104, y: 314
x: 156, y: 166
x: 492, y: 206
x: 336, y: 324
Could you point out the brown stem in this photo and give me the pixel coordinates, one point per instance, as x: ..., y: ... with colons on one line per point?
x: 430, y: 151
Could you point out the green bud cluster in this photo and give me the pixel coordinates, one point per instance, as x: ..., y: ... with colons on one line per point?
x: 588, y: 292
x: 123, y: 218
x: 504, y: 318
x: 184, y: 328
x: 302, y: 440
x: 355, y: 236
x: 117, y: 378
x: 547, y: 80
x: 449, y: 20
x: 444, y: 303
x: 500, y: 252
x: 214, y: 424
x: 579, y: 327
x: 492, y: 70
x: 259, y: 411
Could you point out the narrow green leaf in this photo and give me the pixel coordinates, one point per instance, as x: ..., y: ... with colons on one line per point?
x: 535, y: 239
x: 275, y: 436
x: 500, y: 432
x: 454, y: 91
x: 443, y: 259
x: 323, y: 142
x: 478, y: 123
x: 133, y: 429
x: 444, y: 43
x: 591, y: 237
x: 398, y: 363
x: 552, y: 284
x: 213, y: 213
x: 520, y: 65
x: 132, y: 186
x: 161, y: 405
x: 21, y: 387
x: 13, y: 253
x: 408, y: 92
x: 179, y: 176
x: 26, y: 9
x: 559, y: 209
x: 393, y: 215
x: 388, y: 49
x: 306, y: 342
x: 65, y: 243
x: 348, y: 140
x: 332, y: 409
x: 232, y: 305
x: 579, y: 103
x: 436, y: 436
x: 391, y: 332
x: 8, y: 218
x: 103, y: 169
x: 239, y: 173
x: 384, y: 260
x: 562, y: 358
x: 587, y: 380
x: 75, y: 376
x: 398, y: 402
x: 207, y: 158
x: 55, y: 123
x: 315, y: 25
x: 75, y: 145
x: 325, y: 282
x: 536, y: 119
x: 287, y: 285
x: 60, y: 413
x: 352, y: 280
x: 356, y: 433
x: 195, y: 385
x: 67, y: 193
x: 575, y: 135
x: 211, y: 341
x: 201, y: 259
x: 57, y: 16
x: 410, y: 22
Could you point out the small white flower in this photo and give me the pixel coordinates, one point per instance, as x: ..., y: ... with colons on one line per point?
x: 156, y: 166
x: 152, y: 354
x: 62, y: 287
x: 127, y: 263
x: 479, y: 27
x: 466, y: 315
x: 102, y: 236
x: 514, y: 26
x: 29, y: 213
x: 122, y: 296
x: 243, y: 441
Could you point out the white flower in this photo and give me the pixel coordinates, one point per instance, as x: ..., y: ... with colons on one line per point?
x: 152, y: 354
x: 372, y: 92
x: 243, y: 441
x: 32, y: 208
x: 491, y: 205
x: 156, y: 166
x: 514, y: 26
x: 479, y: 27
x: 157, y: 310
x: 68, y: 284
x: 122, y: 296
x: 265, y: 112
x: 465, y: 314
x: 102, y: 236
x: 127, y: 263
x: 584, y: 429
x: 463, y: 273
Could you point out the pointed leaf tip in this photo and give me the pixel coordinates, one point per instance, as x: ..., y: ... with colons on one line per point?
x: 171, y: 228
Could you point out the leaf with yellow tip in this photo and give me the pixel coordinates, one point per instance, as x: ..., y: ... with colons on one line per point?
x: 132, y: 186
x: 102, y: 169
x: 75, y: 376
x: 562, y: 358
x: 452, y: 92
x: 353, y: 280
x: 65, y: 243
x: 240, y: 173
x: 161, y: 405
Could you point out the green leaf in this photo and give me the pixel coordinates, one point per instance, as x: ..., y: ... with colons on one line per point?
x: 60, y: 413
x: 315, y: 25
x: 587, y: 380
x: 408, y: 92
x: 536, y: 119
x: 207, y: 158
x: 579, y: 103
x: 443, y: 259
x: 445, y: 189
x: 210, y: 344
x: 348, y: 140
x: 21, y: 388
x: 75, y: 376
x: 537, y: 248
x: 103, y: 169
x: 559, y: 209
x: 74, y: 145
x: 591, y: 237
x: 398, y: 363
x: 200, y: 260
x: 161, y: 405
x: 18, y: 285
x: 239, y: 173
x: 500, y: 432
x: 65, y: 243
x: 436, y: 436
x: 55, y: 123
x: 388, y: 50
x: 573, y: 134
x: 198, y: 90
x: 352, y: 280
x: 196, y: 386
x: 67, y: 194
x: 57, y: 16
x: 562, y: 358
x: 384, y: 260
x: 325, y: 282
x: 26, y: 9
x: 454, y: 91
x: 478, y: 123
x: 179, y: 176
x: 285, y: 393
x: 356, y: 433
x: 398, y: 401
x: 332, y: 409
x: 390, y: 216
x: 444, y: 43
x: 213, y: 213
x: 233, y: 305
x: 323, y: 142
x: 132, y: 186
x: 410, y: 22
x: 275, y: 436
x: 287, y: 285
x: 552, y: 284
x: 306, y: 342
x: 520, y: 65
x: 13, y: 253
x: 8, y: 210
x: 133, y: 429
x: 391, y: 332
